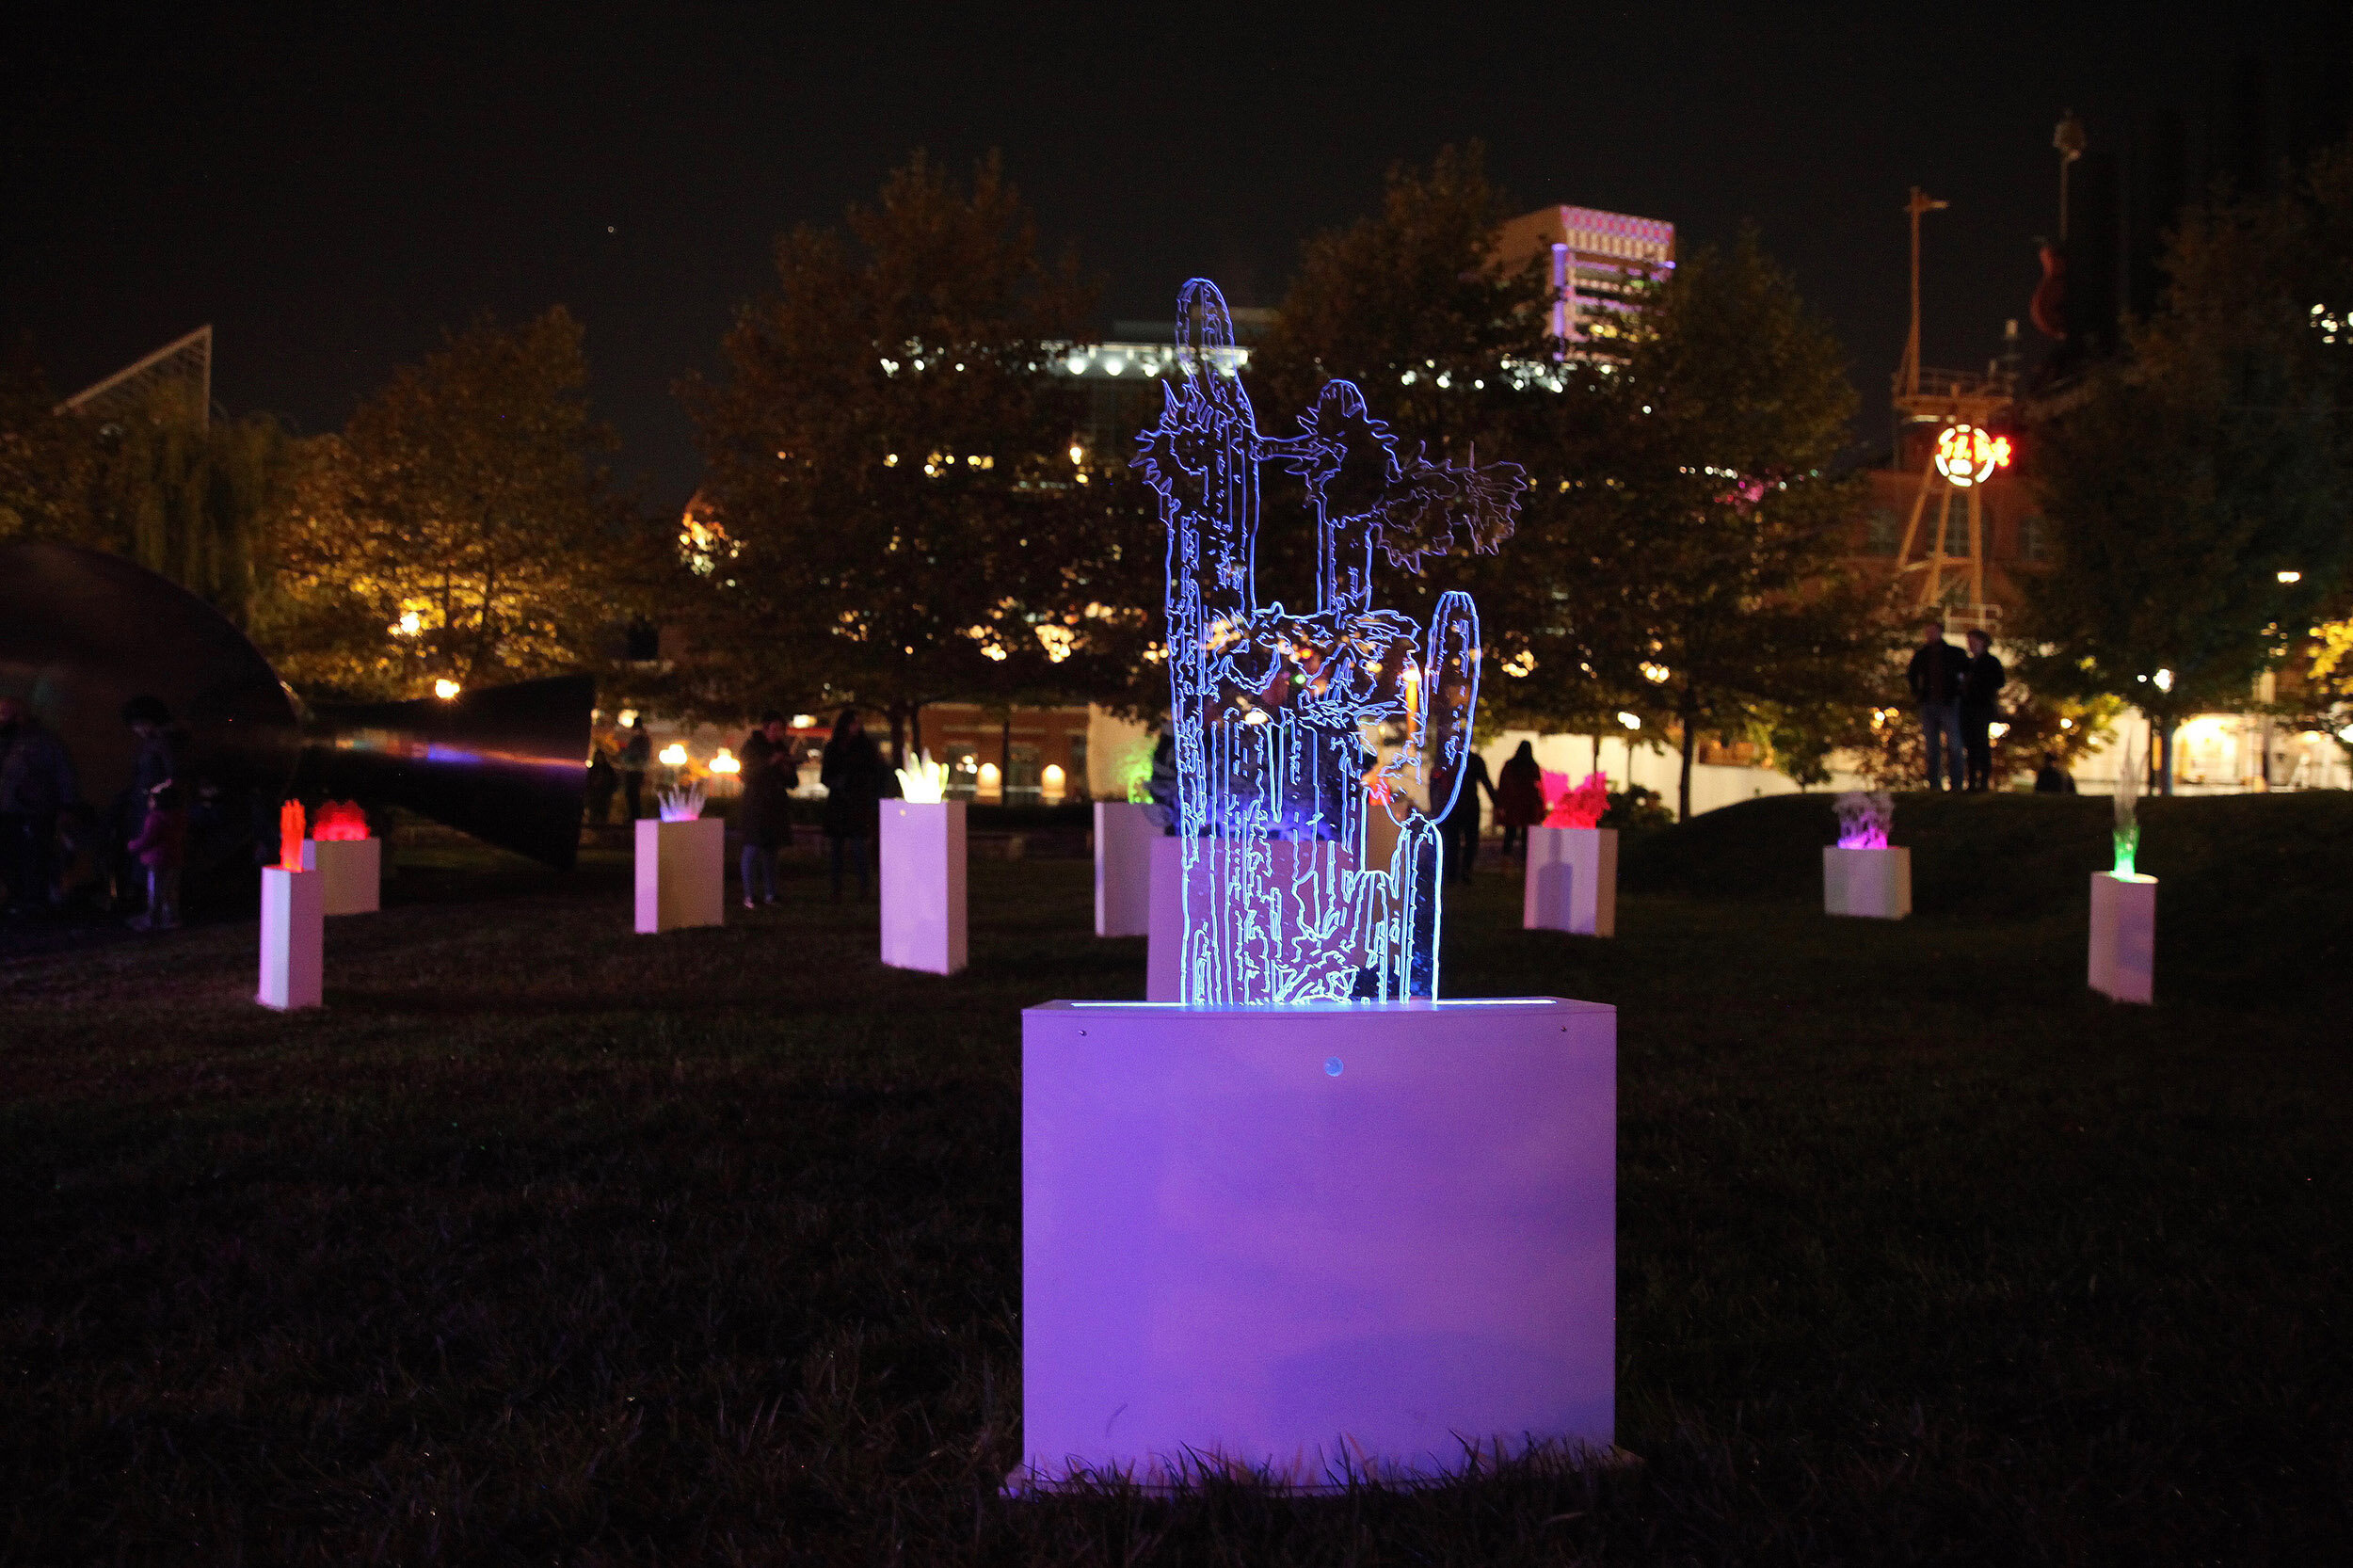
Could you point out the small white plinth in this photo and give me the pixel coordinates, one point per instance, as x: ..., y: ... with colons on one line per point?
x: 352, y: 870
x: 1875, y: 883
x: 294, y: 938
x: 1164, y: 951
x: 923, y: 884
x: 1123, y: 868
x: 1571, y: 881
x: 1348, y: 1238
x: 2123, y: 935
x: 682, y: 873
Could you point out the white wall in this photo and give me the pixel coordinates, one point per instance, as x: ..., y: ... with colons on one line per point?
x: 1713, y: 784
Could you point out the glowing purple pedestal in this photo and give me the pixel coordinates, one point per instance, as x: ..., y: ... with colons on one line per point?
x: 351, y: 870
x: 1875, y: 883
x: 294, y: 938
x: 922, y: 851
x: 682, y: 873
x: 1571, y: 881
x: 1311, y: 1241
x: 1164, y: 954
x: 2123, y: 937
x: 1124, y: 833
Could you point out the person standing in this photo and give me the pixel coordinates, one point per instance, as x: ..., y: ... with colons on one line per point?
x: 36, y: 782
x: 1519, y: 796
x: 1935, y: 676
x: 636, y: 754
x: 597, y: 799
x: 767, y: 809
x: 157, y: 759
x: 852, y: 775
x: 2052, y: 779
x: 1459, y: 828
x: 1979, y: 684
x: 161, y: 846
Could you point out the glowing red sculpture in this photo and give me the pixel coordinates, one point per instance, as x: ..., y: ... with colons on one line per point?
x: 340, y: 820
x: 289, y: 835
x: 1581, y: 807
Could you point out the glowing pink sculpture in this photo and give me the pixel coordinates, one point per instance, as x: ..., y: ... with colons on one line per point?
x: 1581, y: 807
x: 1863, y: 819
x: 1863, y: 874
x: 340, y: 822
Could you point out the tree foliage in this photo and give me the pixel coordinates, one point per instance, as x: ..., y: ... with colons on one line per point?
x: 1681, y: 553
x: 898, y: 516
x: 462, y: 526
x: 191, y: 498
x: 2200, y: 487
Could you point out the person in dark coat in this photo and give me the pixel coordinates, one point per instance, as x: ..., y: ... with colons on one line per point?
x: 1935, y: 676
x: 36, y: 782
x: 1459, y: 828
x: 2052, y: 779
x: 766, y: 813
x: 1519, y: 796
x: 597, y: 800
x: 852, y: 774
x: 636, y: 753
x: 1978, y: 688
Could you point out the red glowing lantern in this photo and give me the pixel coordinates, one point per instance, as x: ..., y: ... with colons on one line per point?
x: 340, y: 820
x: 1581, y: 807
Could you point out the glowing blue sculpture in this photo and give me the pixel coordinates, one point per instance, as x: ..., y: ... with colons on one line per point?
x: 1315, y: 753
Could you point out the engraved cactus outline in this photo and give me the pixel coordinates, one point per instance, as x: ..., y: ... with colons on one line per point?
x: 1269, y: 708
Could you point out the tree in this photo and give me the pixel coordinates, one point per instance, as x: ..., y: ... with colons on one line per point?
x: 2200, y: 487
x: 46, y: 462
x: 1682, y: 552
x: 906, y: 516
x: 461, y: 528
x: 191, y: 498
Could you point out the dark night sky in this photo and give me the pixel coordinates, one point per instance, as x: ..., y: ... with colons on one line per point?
x: 331, y: 186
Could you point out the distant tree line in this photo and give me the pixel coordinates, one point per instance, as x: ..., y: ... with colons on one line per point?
x: 899, y: 509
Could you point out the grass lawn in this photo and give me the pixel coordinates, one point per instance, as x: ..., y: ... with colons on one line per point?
x: 544, y: 1242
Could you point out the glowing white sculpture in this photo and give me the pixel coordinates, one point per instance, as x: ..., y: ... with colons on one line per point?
x: 926, y: 783
x: 683, y: 805
x: 1316, y: 752
x: 293, y: 938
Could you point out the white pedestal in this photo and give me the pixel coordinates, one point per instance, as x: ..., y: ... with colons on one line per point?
x: 1571, y: 881
x: 1123, y: 868
x: 1875, y: 883
x: 2123, y: 935
x: 351, y: 870
x: 682, y: 873
x: 1164, y: 953
x: 923, y: 884
x: 1351, y: 1237
x: 294, y: 938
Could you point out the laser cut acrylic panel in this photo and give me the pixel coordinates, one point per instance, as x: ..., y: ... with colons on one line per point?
x: 1316, y: 751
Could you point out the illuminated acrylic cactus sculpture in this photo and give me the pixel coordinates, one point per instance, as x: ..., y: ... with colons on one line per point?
x: 1309, y: 746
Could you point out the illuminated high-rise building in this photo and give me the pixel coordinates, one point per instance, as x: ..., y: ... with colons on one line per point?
x: 1594, y: 261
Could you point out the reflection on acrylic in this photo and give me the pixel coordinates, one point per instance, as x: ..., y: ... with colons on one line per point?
x: 1316, y: 751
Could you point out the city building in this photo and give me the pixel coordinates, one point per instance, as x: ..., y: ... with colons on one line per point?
x: 1595, y: 262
